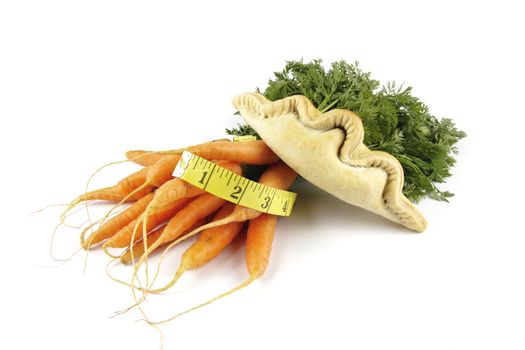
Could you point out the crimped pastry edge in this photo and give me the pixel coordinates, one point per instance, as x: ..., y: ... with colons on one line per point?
x: 352, y: 151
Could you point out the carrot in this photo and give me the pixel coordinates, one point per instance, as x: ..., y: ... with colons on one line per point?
x: 147, y: 158
x: 259, y: 240
x: 164, y: 197
x: 144, y: 158
x: 278, y: 175
x: 197, y: 209
x: 258, y: 247
x: 118, y: 222
x: 143, y: 181
x: 138, y: 248
x: 130, y: 188
x: 171, y: 191
x: 136, y: 185
x: 128, y: 233
x: 177, y: 188
x: 250, y: 152
x: 210, y: 243
x: 133, y: 187
x: 201, y: 207
x: 162, y: 170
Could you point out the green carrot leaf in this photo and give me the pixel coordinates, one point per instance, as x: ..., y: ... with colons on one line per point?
x: 394, y: 120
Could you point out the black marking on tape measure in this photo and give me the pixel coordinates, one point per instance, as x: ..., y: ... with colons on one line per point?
x: 242, y: 194
x: 209, y: 177
x: 231, y: 175
x: 241, y: 185
x: 237, y: 178
x: 271, y: 200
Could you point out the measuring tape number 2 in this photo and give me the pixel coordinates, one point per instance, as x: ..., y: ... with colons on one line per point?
x: 227, y: 185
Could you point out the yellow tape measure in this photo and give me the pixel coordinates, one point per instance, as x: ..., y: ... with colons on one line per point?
x: 240, y: 138
x: 227, y: 185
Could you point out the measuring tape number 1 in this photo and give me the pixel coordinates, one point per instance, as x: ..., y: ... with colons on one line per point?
x: 227, y: 185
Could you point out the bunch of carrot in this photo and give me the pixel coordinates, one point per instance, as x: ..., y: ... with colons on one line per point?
x: 164, y: 211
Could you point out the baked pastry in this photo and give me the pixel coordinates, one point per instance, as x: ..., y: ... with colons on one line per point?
x: 327, y: 150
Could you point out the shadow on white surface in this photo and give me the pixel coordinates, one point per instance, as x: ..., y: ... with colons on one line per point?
x: 313, y: 202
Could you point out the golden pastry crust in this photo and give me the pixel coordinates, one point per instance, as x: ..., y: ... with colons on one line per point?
x: 327, y: 149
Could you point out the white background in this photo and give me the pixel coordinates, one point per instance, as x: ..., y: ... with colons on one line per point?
x: 82, y: 82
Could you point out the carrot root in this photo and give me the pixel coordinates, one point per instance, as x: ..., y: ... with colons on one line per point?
x: 109, y: 228
x: 225, y: 294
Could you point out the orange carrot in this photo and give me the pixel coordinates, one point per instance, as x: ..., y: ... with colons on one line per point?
x: 278, y: 175
x: 250, y: 152
x: 172, y: 191
x: 143, y: 181
x: 138, y: 248
x: 162, y: 170
x: 259, y: 240
x: 144, y: 158
x: 118, y: 222
x: 123, y: 237
x: 258, y: 247
x: 210, y: 243
x: 177, y: 188
x: 197, y: 209
x: 136, y: 185
x: 130, y: 188
x: 163, y: 198
x: 147, y: 158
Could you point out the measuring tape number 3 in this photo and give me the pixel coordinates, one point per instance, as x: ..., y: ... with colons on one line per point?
x: 227, y: 185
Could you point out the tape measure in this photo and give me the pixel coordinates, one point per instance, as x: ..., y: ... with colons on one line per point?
x: 227, y: 185
x: 240, y: 138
